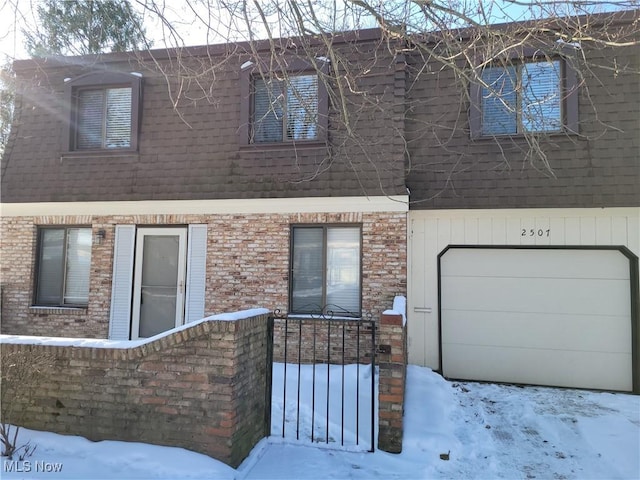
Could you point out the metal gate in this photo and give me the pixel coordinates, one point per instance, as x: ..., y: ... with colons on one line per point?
x: 324, y: 380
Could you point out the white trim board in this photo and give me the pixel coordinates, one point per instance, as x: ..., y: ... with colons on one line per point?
x: 398, y: 203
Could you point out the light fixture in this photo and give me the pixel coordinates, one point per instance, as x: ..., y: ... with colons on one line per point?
x: 99, y: 236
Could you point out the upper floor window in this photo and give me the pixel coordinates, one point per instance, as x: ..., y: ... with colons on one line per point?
x: 63, y: 266
x: 104, y: 112
x: 527, y: 97
x: 325, y: 269
x: 283, y: 107
x: 103, y: 118
x: 285, y: 110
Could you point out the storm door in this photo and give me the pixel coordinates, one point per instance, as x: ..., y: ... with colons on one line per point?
x: 159, y: 280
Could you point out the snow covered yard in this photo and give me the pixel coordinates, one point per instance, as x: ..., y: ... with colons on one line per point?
x: 479, y: 430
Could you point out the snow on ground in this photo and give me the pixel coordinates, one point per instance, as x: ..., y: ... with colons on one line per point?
x: 479, y: 430
x: 321, y: 407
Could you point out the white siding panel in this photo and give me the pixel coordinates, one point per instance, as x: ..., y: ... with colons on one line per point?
x: 122, y: 282
x: 542, y: 232
x: 557, y: 229
x: 572, y: 232
x: 588, y: 231
x: 499, y: 234
x: 457, y: 230
x: 196, y: 273
x: 603, y: 231
x: 619, y: 233
x: 486, y: 232
x: 444, y: 233
x: 418, y: 270
x: 633, y: 232
x: 471, y: 231
x: 514, y: 229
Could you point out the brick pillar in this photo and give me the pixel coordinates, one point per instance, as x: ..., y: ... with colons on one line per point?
x: 392, y: 360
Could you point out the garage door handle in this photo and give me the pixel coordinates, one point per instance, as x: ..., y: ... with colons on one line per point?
x: 422, y: 309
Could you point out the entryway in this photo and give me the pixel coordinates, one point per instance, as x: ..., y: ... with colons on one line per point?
x: 159, y: 282
x: 159, y: 276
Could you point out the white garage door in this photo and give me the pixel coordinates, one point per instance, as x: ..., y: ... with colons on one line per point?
x: 542, y: 316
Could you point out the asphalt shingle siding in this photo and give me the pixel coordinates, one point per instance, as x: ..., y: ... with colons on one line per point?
x: 598, y: 168
x: 198, y: 156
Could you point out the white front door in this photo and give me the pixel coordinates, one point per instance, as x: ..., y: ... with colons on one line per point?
x: 159, y: 280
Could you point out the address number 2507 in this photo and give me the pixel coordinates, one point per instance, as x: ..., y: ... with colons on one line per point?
x: 532, y: 232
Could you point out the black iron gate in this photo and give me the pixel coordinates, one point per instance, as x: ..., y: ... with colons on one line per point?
x: 324, y: 379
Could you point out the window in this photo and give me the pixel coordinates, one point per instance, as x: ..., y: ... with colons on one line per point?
x: 104, y: 118
x: 529, y: 97
x: 285, y: 110
x: 103, y: 112
x: 64, y: 261
x: 325, y: 269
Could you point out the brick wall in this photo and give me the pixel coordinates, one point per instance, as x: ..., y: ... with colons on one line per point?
x: 392, y: 360
x: 247, y: 265
x: 203, y: 388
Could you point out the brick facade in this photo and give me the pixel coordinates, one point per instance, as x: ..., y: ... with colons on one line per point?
x: 203, y: 388
x: 247, y: 265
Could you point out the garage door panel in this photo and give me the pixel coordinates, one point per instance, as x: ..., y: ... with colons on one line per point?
x: 541, y: 295
x: 532, y: 263
x: 607, y: 371
x: 586, y: 333
x: 537, y: 315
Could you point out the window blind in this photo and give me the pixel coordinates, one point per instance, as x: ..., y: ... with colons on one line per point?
x: 90, y: 119
x: 285, y: 109
x: 267, y: 111
x: 104, y: 118
x: 118, y: 121
x: 302, y: 107
x: 499, y: 116
x: 307, y: 279
x: 78, y: 257
x: 343, y: 268
x: 522, y: 98
x: 541, y: 100
x: 50, y: 267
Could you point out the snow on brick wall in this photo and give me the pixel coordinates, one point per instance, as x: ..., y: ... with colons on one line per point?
x: 202, y: 387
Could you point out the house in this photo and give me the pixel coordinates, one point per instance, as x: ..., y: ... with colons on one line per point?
x: 136, y: 198
x: 124, y: 217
